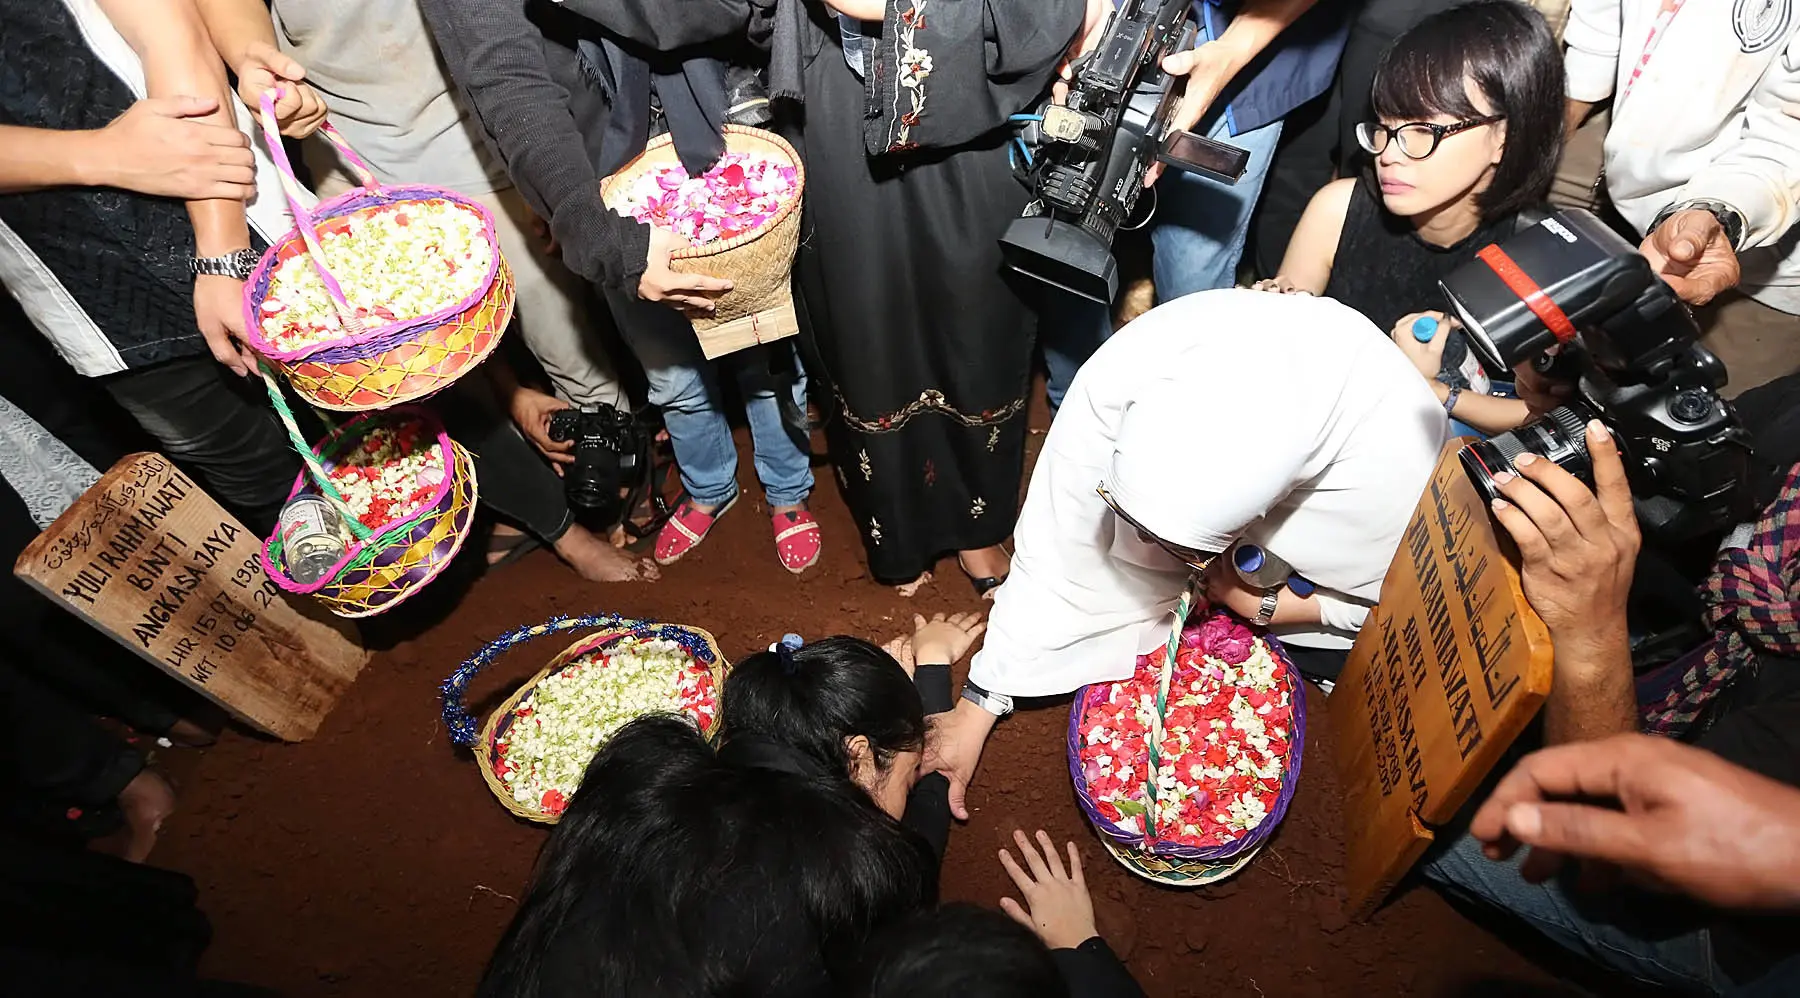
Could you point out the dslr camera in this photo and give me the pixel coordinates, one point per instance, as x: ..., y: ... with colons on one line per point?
x: 1572, y: 297
x: 611, y: 457
x: 1089, y: 154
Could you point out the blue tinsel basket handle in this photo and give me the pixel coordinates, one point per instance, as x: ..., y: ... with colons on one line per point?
x: 465, y: 729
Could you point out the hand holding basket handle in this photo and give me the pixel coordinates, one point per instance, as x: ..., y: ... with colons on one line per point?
x: 303, y: 220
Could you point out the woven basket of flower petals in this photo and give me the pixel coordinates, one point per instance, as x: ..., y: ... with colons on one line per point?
x: 534, y: 748
x: 406, y: 494
x: 1185, y: 770
x: 742, y: 221
x: 379, y: 296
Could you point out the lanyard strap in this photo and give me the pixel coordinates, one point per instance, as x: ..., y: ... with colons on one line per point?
x: 1659, y: 28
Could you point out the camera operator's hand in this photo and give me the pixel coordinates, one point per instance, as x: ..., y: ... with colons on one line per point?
x: 1540, y: 391
x: 1093, y: 26
x: 1208, y: 68
x: 531, y: 411
x: 1678, y: 815
x: 1577, y: 547
x: 1428, y: 357
x: 690, y: 294
x: 1690, y: 253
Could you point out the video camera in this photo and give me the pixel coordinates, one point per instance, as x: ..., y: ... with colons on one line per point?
x: 612, y: 458
x: 1090, y: 153
x: 1580, y: 303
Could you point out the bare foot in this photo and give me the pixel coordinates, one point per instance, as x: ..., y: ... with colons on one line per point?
x: 909, y: 589
x: 147, y: 800
x: 190, y: 735
x: 596, y: 560
x: 503, y: 542
x: 986, y: 563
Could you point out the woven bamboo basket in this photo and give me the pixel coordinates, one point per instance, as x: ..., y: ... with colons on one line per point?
x: 376, y: 364
x: 484, y: 739
x: 1179, y: 865
x: 385, y: 566
x: 760, y: 306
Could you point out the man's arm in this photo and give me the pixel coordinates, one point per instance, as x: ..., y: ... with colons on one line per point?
x: 243, y: 33
x: 171, y: 41
x: 1759, y: 174
x: 178, y: 58
x: 496, y: 55
x: 1212, y: 66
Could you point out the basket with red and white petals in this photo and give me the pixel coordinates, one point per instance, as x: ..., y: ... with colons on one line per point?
x: 1186, y: 776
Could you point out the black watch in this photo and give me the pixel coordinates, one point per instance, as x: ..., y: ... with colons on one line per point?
x: 997, y: 704
x: 1730, y: 219
x: 237, y: 263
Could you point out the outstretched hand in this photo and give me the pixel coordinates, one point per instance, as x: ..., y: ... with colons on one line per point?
x: 1057, y: 904
x: 1677, y: 815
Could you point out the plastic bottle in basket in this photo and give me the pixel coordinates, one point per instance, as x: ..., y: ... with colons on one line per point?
x: 312, y: 538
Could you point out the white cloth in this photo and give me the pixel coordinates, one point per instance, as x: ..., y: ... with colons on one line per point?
x: 46, y: 302
x: 1715, y: 113
x: 390, y: 96
x: 1287, y: 419
x: 40, y: 468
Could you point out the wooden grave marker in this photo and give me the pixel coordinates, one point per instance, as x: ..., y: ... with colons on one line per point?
x: 154, y: 562
x: 1447, y: 671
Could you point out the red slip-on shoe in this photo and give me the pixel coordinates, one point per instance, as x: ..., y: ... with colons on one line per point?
x: 687, y: 527
x: 797, y: 540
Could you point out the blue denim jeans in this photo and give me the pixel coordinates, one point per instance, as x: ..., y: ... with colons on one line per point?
x: 1200, y: 227
x: 1621, y: 936
x: 685, y: 386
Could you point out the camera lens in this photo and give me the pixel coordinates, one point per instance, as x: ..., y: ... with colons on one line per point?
x: 1561, y: 437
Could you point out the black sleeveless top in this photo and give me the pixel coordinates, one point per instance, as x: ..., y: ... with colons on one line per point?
x: 1384, y: 270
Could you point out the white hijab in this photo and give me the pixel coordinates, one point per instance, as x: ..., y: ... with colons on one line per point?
x: 1285, y: 419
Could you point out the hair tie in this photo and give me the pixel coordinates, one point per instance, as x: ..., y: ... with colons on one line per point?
x: 785, y: 648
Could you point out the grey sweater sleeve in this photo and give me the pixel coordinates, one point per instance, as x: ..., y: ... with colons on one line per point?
x: 502, y: 62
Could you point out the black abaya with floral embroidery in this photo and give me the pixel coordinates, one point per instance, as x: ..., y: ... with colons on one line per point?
x: 921, y: 338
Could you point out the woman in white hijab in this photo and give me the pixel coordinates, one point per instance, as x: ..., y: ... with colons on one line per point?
x: 1284, y: 420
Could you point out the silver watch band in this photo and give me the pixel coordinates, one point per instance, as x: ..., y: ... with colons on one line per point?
x: 1266, y: 612
x: 238, y: 263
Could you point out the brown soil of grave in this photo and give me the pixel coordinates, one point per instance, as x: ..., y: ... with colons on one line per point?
x: 372, y: 860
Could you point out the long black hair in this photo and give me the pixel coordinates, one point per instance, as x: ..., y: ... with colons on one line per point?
x: 674, y: 873
x: 1506, y: 48
x: 815, y: 698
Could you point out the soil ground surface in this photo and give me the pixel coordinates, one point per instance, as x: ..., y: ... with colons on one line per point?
x: 373, y: 860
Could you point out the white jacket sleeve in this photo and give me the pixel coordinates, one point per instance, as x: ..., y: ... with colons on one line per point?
x: 1342, y: 615
x: 1759, y: 174
x: 1592, y: 60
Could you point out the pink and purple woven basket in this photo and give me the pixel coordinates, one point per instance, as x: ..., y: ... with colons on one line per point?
x: 1171, y: 862
x: 375, y: 366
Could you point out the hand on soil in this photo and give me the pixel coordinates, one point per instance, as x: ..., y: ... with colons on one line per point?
x: 1060, y: 910
x: 953, y: 747
x: 943, y: 640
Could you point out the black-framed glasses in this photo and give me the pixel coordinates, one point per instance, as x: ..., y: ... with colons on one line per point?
x: 1417, y: 139
x: 1186, y: 557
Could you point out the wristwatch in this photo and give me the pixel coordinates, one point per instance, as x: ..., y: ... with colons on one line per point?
x: 1266, y: 612
x: 1450, y: 400
x: 237, y: 263
x: 997, y: 704
x: 1730, y: 219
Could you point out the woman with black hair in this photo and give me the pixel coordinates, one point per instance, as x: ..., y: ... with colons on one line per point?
x: 1469, y: 104
x: 762, y: 867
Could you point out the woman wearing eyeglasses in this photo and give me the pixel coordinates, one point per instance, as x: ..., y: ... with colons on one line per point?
x: 1469, y: 104
x: 1284, y: 420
